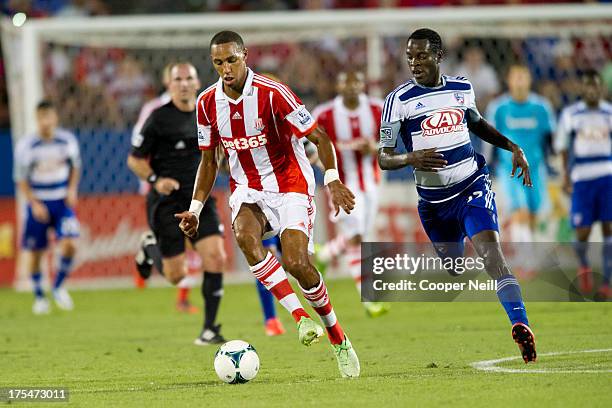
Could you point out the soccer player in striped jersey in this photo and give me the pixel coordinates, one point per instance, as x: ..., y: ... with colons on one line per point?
x: 260, y: 124
x: 433, y: 115
x: 584, y: 138
x: 352, y: 120
x: 47, y: 170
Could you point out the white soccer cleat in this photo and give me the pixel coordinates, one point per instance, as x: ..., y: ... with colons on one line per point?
x: 41, y: 306
x: 62, y: 299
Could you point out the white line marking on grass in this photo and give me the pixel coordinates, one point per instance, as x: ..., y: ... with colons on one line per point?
x: 491, y: 365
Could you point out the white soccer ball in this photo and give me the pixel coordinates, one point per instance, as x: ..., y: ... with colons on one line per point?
x: 236, y: 362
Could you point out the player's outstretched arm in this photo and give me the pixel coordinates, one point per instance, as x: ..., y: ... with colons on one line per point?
x: 341, y: 196
x: 204, y: 182
x: 481, y: 128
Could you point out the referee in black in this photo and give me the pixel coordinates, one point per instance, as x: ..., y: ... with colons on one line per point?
x: 166, y: 154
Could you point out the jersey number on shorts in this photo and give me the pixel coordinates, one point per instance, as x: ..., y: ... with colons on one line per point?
x: 475, y: 194
x: 244, y: 143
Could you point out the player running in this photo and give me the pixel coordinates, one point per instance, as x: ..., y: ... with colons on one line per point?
x: 259, y: 122
x: 47, y: 171
x: 163, y: 154
x: 584, y: 139
x: 433, y: 115
x: 527, y: 119
x: 352, y: 120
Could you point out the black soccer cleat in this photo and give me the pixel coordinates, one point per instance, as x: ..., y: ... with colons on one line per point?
x: 144, y: 263
x: 210, y: 335
x: 524, y: 337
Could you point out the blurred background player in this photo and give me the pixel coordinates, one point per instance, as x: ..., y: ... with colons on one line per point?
x: 259, y: 123
x: 194, y: 263
x: 527, y: 119
x: 165, y: 154
x: 433, y: 114
x: 584, y: 139
x: 352, y: 120
x: 47, y: 170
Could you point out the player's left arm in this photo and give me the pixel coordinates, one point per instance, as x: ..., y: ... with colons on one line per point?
x: 75, y: 174
x: 341, y: 196
x: 481, y: 128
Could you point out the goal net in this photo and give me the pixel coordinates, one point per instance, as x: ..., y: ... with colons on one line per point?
x: 100, y: 71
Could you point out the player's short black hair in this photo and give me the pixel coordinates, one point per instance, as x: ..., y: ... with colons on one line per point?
x: 435, y: 41
x: 591, y: 74
x: 45, y: 104
x: 224, y: 37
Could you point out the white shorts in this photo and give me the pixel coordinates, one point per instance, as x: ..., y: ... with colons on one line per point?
x: 283, y: 210
x: 361, y: 220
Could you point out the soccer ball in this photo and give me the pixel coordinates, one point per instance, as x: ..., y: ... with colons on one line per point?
x: 236, y: 362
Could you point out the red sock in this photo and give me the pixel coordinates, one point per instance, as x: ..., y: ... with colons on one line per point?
x: 319, y: 300
x: 272, y: 275
x: 182, y: 294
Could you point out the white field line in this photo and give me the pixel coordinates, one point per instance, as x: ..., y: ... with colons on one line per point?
x: 491, y: 365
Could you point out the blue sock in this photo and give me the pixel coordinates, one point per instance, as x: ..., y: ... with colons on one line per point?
x: 267, y: 301
x: 581, y: 249
x: 607, y: 260
x: 36, y: 284
x: 65, y: 265
x: 509, y: 294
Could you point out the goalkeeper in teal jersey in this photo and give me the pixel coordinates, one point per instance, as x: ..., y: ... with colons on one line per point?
x: 527, y: 119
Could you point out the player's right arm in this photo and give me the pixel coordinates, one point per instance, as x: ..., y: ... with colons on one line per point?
x: 20, y: 175
x: 138, y: 160
x: 388, y: 158
x: 560, y: 144
x: 208, y: 142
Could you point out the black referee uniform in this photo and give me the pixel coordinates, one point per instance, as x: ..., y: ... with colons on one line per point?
x: 169, y: 139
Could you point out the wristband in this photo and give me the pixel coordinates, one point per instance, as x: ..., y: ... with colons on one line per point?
x: 330, y: 175
x: 196, y: 208
x: 152, y: 178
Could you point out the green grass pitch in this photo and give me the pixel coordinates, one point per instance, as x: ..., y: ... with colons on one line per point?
x: 131, y: 348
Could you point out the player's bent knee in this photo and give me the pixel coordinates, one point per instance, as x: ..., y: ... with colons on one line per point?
x: 247, y: 240
x: 297, y: 265
x: 68, y: 248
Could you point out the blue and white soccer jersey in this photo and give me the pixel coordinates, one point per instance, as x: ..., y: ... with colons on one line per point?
x: 528, y: 124
x: 46, y: 166
x: 456, y: 201
x: 586, y: 134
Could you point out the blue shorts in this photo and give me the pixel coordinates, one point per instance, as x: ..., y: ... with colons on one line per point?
x: 592, y: 201
x: 61, y: 218
x: 533, y: 199
x: 273, y: 243
x: 466, y: 215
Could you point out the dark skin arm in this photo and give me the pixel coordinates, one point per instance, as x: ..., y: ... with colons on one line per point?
x: 341, y: 196
x: 427, y: 159
x: 489, y: 134
x: 567, y: 182
x: 204, y: 182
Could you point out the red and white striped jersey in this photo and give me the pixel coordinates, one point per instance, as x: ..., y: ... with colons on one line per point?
x: 260, y: 133
x: 345, y: 127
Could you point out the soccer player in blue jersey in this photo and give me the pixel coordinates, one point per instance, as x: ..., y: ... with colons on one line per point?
x: 47, y: 168
x: 527, y: 119
x: 433, y: 114
x: 584, y: 138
